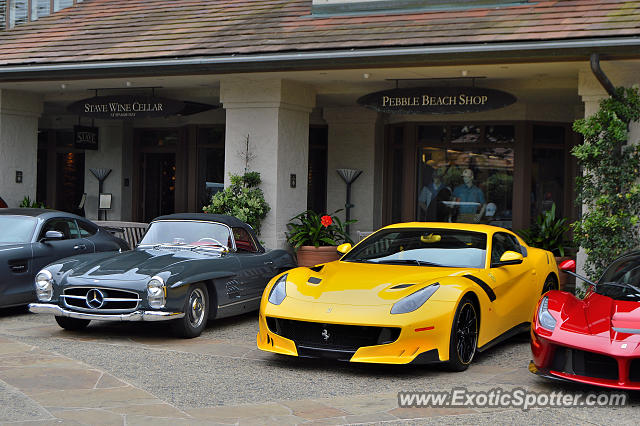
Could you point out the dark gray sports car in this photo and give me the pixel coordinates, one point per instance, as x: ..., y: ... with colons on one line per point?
x: 33, y: 238
x: 187, y: 268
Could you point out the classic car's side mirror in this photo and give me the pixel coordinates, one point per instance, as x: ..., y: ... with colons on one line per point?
x: 52, y: 235
x: 568, y: 265
x: 510, y: 258
x: 344, y: 248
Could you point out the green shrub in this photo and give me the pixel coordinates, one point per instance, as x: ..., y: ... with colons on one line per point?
x: 608, y: 185
x: 26, y: 202
x: 242, y: 199
x: 547, y: 232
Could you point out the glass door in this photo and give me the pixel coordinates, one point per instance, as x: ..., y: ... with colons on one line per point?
x: 159, y: 181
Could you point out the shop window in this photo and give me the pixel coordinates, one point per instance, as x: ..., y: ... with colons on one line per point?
x: 3, y: 13
x: 40, y: 8
x: 396, y: 174
x: 160, y: 138
x: 548, y: 170
x: 472, y: 186
x: 500, y: 134
x: 61, y: 4
x: 465, y: 134
x: 210, y: 163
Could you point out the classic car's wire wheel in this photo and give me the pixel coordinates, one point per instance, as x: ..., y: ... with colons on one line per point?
x: 196, y: 312
x: 197, y: 304
x: 464, y: 336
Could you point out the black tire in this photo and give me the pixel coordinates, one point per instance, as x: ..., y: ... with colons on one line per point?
x: 549, y: 284
x: 196, y: 313
x: 464, y: 335
x: 72, y: 324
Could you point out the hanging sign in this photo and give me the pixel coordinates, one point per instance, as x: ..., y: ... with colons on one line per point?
x: 123, y: 107
x: 436, y: 100
x: 85, y: 137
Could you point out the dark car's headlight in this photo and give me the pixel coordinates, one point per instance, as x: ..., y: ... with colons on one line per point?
x: 44, y: 286
x: 414, y: 300
x: 279, y: 290
x: 156, y: 292
x: 545, y: 318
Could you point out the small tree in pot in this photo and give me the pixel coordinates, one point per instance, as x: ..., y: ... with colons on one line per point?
x: 315, y: 237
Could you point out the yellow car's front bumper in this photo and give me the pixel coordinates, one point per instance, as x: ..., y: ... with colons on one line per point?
x: 423, y: 338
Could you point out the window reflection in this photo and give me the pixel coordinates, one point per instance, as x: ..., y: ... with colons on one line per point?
x: 470, y: 186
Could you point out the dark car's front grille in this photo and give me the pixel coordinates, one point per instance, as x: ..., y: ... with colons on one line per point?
x: 106, y: 300
x: 319, y: 339
x: 584, y: 363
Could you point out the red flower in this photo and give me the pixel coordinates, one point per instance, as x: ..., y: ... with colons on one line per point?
x: 326, y: 221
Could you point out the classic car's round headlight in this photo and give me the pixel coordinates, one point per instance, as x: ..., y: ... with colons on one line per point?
x: 156, y: 292
x: 414, y: 300
x: 279, y: 290
x: 44, y: 286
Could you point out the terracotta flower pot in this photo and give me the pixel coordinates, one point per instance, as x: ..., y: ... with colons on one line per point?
x: 311, y: 255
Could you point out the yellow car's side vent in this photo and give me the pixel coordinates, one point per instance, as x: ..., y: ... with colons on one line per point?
x: 314, y: 280
x: 399, y: 286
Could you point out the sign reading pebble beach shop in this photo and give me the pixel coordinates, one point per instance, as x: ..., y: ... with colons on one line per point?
x: 436, y: 100
x: 125, y: 107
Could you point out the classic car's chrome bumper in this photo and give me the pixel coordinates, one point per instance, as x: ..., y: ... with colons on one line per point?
x: 49, y: 308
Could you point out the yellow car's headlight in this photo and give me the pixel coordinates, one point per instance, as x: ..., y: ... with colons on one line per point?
x: 279, y: 290
x: 414, y: 300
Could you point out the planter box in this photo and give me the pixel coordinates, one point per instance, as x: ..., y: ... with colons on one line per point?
x: 311, y: 255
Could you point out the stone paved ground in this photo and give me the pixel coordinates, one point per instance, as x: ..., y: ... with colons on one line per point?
x: 130, y: 374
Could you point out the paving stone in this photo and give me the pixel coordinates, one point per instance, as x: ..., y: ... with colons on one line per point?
x: 150, y: 410
x: 418, y: 413
x: 32, y: 380
x: 311, y: 410
x: 239, y: 411
x: 95, y: 398
x: 93, y: 417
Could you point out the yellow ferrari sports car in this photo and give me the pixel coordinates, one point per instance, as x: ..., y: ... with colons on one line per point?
x: 409, y: 293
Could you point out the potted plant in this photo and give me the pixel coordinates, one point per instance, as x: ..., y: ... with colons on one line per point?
x: 242, y: 199
x: 315, y: 237
x: 548, y: 233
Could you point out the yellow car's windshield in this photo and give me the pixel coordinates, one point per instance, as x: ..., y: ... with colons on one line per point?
x: 423, y: 247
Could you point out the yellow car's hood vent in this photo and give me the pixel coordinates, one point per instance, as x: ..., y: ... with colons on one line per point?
x: 361, y: 283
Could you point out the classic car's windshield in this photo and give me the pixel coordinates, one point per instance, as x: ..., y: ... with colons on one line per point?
x: 619, y: 280
x: 193, y: 233
x: 423, y: 247
x: 16, y: 229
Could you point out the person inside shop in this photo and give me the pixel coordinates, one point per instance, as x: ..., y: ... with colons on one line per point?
x: 432, y: 196
x: 470, y: 199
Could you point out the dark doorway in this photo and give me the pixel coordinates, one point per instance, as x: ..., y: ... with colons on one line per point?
x: 317, y: 179
x: 158, y: 183
x: 69, y: 180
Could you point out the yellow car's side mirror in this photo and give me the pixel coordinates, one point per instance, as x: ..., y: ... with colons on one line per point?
x: 344, y: 248
x: 510, y: 258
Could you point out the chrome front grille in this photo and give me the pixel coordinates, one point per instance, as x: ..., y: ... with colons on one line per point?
x: 100, y: 299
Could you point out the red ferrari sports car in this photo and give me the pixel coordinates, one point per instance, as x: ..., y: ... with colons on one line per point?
x: 595, y: 340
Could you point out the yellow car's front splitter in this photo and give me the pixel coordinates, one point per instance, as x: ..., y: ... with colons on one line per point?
x: 423, y: 334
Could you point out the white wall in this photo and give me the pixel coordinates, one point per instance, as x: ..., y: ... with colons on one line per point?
x: 19, y: 114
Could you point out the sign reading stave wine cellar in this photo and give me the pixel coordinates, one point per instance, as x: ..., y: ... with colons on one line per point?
x: 125, y: 107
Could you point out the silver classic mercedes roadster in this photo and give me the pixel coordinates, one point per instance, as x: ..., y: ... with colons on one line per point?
x: 188, y: 268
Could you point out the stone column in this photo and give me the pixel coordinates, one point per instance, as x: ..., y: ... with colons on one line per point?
x: 19, y: 112
x: 354, y: 142
x: 592, y: 92
x: 274, y: 115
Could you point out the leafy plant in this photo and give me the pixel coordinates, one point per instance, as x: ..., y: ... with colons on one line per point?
x: 608, y: 187
x: 242, y: 199
x: 310, y: 229
x: 26, y: 202
x: 547, y: 232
